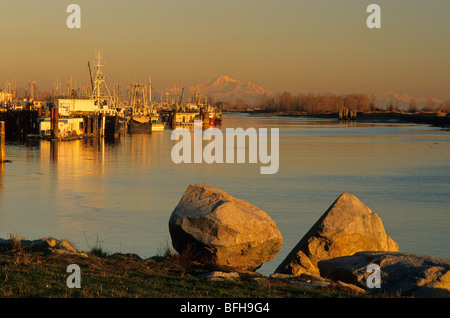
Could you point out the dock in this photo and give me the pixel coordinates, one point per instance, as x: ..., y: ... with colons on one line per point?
x: 31, y: 124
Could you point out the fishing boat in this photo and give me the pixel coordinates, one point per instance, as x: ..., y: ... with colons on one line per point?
x: 139, y: 124
x: 218, y: 117
x: 114, y: 118
x: 157, y: 124
x: 215, y: 115
x: 113, y: 125
x: 140, y: 121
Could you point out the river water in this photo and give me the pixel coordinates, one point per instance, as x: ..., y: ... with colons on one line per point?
x: 120, y: 195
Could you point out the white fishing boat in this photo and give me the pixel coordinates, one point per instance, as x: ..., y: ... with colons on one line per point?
x: 157, y: 124
x: 113, y: 115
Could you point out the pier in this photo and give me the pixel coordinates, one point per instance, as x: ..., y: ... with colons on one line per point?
x: 346, y: 114
x: 19, y: 123
x: 2, y: 143
x: 30, y: 124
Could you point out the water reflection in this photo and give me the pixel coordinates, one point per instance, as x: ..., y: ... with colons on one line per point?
x: 53, y: 151
x: 123, y: 191
x: 347, y: 123
x: 192, y: 126
x: 2, y: 172
x: 75, y: 158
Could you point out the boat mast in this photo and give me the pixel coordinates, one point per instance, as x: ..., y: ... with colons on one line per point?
x: 150, y: 92
x: 103, y: 99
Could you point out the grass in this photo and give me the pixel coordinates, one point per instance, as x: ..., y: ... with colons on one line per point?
x: 31, y: 274
x: 40, y: 274
x: 97, y: 249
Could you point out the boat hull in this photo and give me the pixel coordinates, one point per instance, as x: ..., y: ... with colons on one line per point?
x: 158, y: 127
x: 137, y: 127
x: 113, y: 126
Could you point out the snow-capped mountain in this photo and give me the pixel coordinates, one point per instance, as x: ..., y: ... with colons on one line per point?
x: 402, y: 101
x: 224, y: 88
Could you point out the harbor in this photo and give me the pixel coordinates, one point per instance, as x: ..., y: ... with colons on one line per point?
x: 249, y: 151
x: 100, y: 112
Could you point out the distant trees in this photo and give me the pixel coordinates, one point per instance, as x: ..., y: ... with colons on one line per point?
x: 444, y: 107
x: 412, y: 108
x: 447, y: 107
x: 240, y: 104
x: 330, y: 103
x: 429, y: 106
x: 315, y: 104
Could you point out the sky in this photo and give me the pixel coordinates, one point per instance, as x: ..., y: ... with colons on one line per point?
x: 298, y: 46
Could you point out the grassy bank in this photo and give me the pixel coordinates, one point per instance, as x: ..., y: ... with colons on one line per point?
x: 44, y: 275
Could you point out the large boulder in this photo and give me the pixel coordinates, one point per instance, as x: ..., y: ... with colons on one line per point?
x: 404, y: 274
x: 347, y: 227
x: 216, y: 228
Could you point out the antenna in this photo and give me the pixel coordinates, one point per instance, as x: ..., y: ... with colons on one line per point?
x: 99, y: 57
x: 100, y: 83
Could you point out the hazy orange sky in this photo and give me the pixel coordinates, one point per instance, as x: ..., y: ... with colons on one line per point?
x: 315, y: 46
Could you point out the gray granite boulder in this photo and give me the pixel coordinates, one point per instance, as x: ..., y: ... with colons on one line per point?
x: 404, y: 274
x: 216, y: 228
x: 347, y: 227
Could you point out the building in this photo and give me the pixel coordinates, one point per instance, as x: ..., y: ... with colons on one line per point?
x: 6, y: 97
x: 68, y: 106
x: 67, y: 127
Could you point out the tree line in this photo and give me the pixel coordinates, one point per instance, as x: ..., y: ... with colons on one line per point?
x: 331, y: 103
x: 315, y: 104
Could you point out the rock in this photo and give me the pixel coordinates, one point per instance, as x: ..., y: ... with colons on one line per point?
x: 304, y: 280
x: 4, y: 243
x: 347, y: 227
x: 312, y: 284
x: 126, y: 256
x: 350, y: 287
x: 219, y: 229
x: 219, y: 275
x: 65, y: 246
x: 46, y: 245
x: 281, y: 276
x: 404, y: 274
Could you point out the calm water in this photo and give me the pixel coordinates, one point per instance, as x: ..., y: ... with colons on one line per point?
x: 122, y: 194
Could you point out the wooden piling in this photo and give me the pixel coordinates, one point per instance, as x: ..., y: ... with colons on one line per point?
x: 55, y: 123
x: 54, y: 151
x: 102, y: 123
x: 96, y: 125
x: 2, y: 142
x: 92, y: 125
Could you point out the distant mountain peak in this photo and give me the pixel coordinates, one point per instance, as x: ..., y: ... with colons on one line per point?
x: 225, y: 88
x: 402, y: 100
x: 224, y: 78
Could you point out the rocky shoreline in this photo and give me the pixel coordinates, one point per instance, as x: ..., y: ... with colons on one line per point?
x: 348, y: 244
x: 347, y: 248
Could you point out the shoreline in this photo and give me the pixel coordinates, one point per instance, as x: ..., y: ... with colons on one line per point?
x: 437, y: 119
x: 40, y: 269
x: 43, y: 268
